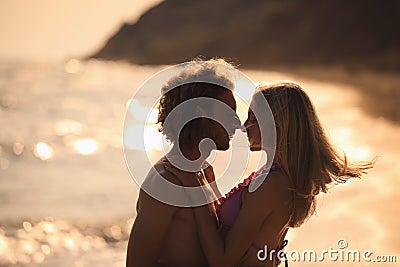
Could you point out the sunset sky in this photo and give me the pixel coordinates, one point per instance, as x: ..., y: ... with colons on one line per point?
x: 48, y: 30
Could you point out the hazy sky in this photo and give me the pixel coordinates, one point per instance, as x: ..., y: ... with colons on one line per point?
x: 48, y: 30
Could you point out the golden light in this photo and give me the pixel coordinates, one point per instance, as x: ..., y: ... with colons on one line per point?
x: 358, y: 153
x: 38, y: 257
x: 346, y: 139
x: 153, y: 116
x: 140, y: 112
x: 73, y: 66
x: 85, y: 245
x: 23, y: 258
x: 151, y: 138
x: 18, y: 148
x: 46, y: 249
x: 64, y: 127
x: 48, y: 227
x: 69, y: 243
x: 86, y: 146
x: 3, y: 244
x: 53, y: 240
x: 43, y: 151
x: 27, y: 247
x: 27, y: 226
x: 98, y: 242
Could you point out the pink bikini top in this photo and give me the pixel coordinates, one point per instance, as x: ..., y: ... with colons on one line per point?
x: 229, y: 208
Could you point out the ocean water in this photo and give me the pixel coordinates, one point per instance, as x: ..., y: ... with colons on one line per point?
x: 67, y: 197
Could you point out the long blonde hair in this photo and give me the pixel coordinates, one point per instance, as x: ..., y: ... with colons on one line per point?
x: 303, y: 150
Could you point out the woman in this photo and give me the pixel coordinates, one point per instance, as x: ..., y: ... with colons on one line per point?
x: 305, y: 163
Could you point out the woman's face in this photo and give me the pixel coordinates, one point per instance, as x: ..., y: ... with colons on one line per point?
x: 253, y: 131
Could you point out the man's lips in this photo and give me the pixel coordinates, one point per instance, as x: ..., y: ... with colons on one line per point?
x: 231, y: 133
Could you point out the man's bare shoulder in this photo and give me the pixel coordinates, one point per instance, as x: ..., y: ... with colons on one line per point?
x: 160, y: 170
x: 157, y: 177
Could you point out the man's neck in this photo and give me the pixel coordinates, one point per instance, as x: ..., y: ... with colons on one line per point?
x: 193, y: 156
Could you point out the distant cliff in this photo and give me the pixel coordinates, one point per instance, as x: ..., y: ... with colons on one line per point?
x: 264, y: 33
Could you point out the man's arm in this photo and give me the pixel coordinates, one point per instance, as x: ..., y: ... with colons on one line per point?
x: 148, y: 232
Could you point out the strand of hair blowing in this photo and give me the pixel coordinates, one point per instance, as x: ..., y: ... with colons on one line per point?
x: 304, y: 151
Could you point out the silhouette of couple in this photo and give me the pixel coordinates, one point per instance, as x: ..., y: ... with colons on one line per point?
x: 202, y: 227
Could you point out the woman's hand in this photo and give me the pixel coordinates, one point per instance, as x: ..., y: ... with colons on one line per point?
x: 208, y: 172
x: 210, y: 177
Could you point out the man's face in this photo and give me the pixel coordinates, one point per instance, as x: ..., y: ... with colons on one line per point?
x: 224, y: 114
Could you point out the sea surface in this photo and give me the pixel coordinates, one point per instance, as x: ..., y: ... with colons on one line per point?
x: 67, y: 197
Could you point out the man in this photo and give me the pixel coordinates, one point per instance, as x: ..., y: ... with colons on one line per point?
x: 164, y: 233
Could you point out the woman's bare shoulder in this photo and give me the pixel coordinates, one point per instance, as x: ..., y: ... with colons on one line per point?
x: 276, y: 185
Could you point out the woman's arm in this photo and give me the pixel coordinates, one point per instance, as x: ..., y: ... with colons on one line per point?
x: 255, y: 209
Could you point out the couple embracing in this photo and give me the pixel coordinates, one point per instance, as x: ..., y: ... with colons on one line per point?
x: 203, y: 228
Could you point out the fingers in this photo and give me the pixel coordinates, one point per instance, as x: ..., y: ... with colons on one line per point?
x: 206, y: 164
x: 209, y: 173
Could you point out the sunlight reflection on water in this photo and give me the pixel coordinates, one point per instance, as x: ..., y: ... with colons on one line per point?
x: 86, y: 146
x: 62, y: 157
x: 35, y: 241
x: 43, y: 151
x: 64, y: 127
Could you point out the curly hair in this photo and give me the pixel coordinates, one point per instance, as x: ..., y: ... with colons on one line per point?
x: 198, y: 78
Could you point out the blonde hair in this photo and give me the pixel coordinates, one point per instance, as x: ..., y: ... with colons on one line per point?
x: 303, y: 150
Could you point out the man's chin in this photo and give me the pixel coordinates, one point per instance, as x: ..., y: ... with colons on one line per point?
x: 255, y: 148
x: 223, y: 147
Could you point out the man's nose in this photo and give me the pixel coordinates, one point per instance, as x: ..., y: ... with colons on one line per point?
x: 237, y: 123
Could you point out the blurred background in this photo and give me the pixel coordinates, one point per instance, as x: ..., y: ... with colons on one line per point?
x: 69, y: 68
